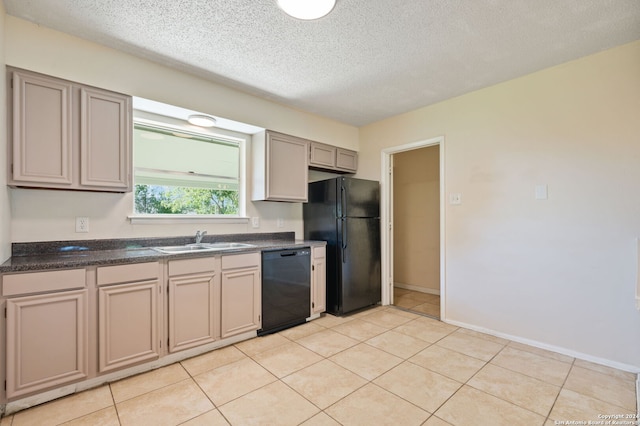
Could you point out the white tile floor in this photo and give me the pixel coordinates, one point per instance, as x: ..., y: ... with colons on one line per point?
x: 381, y: 366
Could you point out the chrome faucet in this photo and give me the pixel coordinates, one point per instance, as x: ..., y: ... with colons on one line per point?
x: 200, y: 236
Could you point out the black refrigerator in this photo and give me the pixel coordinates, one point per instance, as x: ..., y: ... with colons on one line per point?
x: 345, y: 212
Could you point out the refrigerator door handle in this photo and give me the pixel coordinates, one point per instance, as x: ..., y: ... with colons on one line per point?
x: 344, y: 240
x: 343, y: 201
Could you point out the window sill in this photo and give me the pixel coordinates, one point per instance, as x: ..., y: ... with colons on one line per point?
x: 160, y: 219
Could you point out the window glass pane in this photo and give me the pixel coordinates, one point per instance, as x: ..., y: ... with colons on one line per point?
x: 153, y: 199
x: 179, y: 172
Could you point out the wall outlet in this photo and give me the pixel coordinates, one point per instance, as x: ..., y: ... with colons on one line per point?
x: 455, y: 199
x: 541, y: 192
x: 280, y: 222
x: 82, y: 224
x: 255, y: 222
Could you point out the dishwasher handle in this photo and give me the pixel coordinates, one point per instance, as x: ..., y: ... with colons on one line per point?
x: 278, y: 254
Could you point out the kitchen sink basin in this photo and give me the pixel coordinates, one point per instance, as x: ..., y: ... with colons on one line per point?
x: 202, y: 247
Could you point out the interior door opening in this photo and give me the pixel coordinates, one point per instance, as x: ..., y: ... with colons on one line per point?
x: 413, y: 227
x: 416, y: 230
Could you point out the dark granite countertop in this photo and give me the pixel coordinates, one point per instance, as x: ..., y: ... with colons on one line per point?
x: 81, y: 253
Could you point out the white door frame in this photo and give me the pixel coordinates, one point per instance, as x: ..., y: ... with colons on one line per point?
x: 386, y: 218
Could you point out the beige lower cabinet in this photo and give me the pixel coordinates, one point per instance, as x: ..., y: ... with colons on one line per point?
x: 318, y: 279
x: 194, y: 302
x: 240, y: 296
x: 47, y: 334
x: 128, y: 300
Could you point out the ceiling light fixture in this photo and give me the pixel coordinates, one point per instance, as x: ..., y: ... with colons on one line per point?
x: 201, y: 120
x: 307, y: 9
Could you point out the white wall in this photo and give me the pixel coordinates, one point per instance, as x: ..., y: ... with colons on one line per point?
x: 5, y: 215
x: 49, y: 215
x: 559, y: 272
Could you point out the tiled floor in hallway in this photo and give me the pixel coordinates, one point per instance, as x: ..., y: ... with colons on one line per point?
x: 424, y: 303
x: 382, y: 366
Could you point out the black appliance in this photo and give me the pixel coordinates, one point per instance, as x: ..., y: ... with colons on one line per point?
x: 286, y: 289
x: 345, y: 212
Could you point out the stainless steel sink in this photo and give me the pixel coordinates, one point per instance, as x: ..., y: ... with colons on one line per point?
x: 202, y: 247
x: 225, y: 246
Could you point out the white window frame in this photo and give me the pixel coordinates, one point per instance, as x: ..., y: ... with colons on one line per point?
x: 243, y: 141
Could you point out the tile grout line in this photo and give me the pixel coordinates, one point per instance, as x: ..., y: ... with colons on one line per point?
x: 573, y: 364
x: 195, y: 382
x: 115, y: 406
x: 564, y: 382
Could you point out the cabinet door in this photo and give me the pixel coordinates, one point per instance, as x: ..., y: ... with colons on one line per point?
x: 346, y: 160
x: 42, y: 135
x: 46, y: 341
x: 128, y: 324
x: 194, y: 309
x: 318, y: 280
x: 105, y: 139
x: 287, y: 168
x: 240, y: 301
x: 322, y: 155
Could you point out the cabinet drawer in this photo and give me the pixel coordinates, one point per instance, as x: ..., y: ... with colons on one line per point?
x: 127, y: 273
x: 240, y: 260
x: 192, y: 266
x: 40, y: 282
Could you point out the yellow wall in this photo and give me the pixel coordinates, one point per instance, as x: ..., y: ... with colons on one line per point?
x: 50, y: 215
x: 416, y: 219
x: 561, y: 271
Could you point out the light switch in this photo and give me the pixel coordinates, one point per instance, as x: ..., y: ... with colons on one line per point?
x: 541, y: 192
x: 455, y: 198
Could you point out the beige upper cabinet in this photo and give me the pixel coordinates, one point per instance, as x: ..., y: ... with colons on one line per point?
x: 280, y: 167
x: 346, y: 160
x: 318, y: 279
x: 42, y: 135
x: 68, y: 136
x: 322, y: 156
x: 105, y: 139
x: 241, y: 296
x: 194, y: 302
x: 332, y: 159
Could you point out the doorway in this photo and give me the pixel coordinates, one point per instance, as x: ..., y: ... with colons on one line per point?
x: 413, y: 227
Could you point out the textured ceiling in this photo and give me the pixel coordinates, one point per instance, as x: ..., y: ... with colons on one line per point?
x: 367, y: 60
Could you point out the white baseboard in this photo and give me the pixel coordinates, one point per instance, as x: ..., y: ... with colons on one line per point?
x: 564, y: 351
x: 417, y: 288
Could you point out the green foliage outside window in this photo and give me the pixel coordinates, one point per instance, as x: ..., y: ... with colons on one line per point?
x: 152, y: 199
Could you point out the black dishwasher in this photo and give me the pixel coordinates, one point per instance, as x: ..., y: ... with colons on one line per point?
x: 286, y: 289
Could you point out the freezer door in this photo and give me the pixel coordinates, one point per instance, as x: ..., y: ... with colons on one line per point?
x: 358, y: 197
x: 358, y: 263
